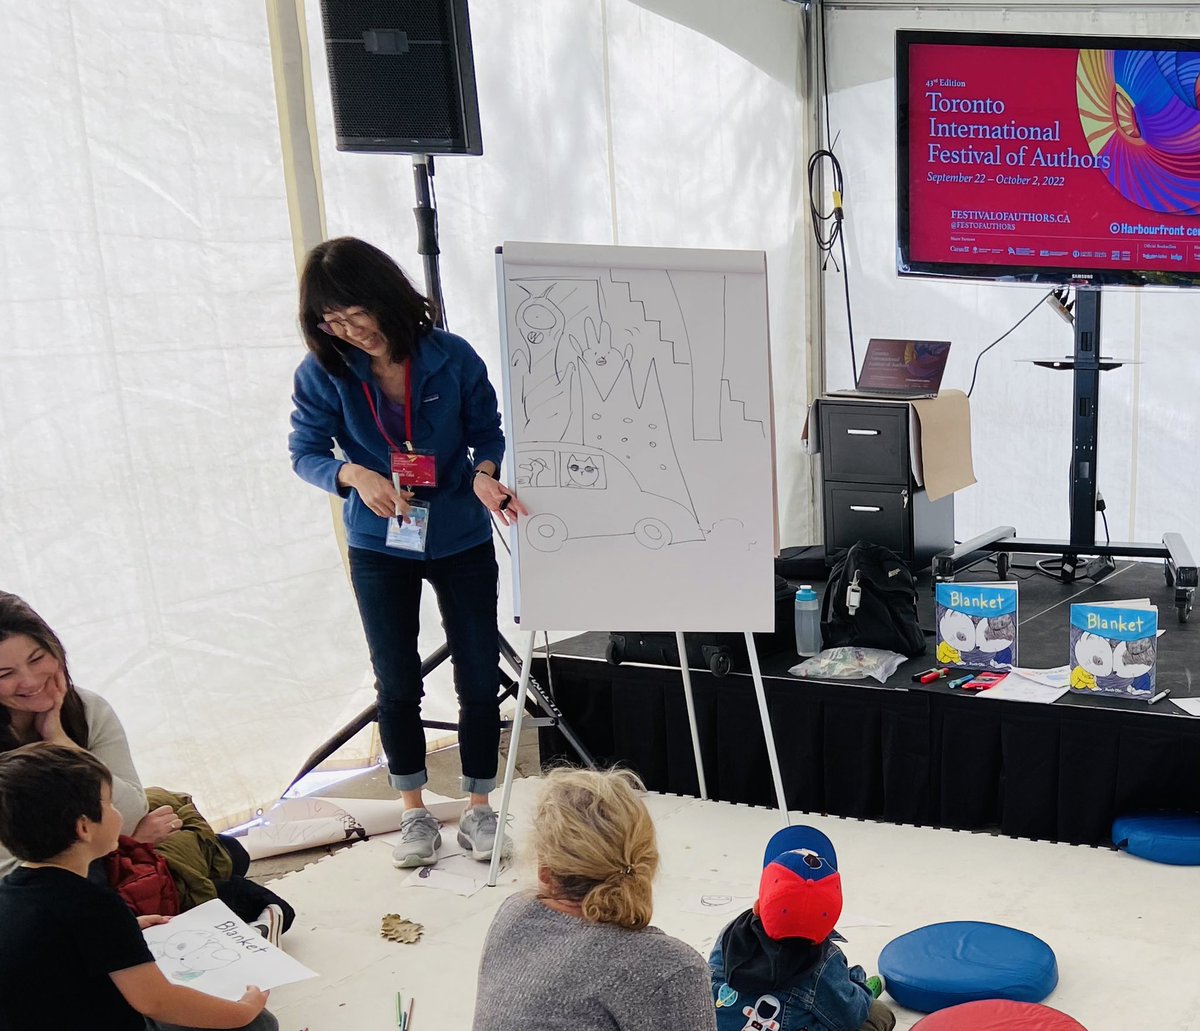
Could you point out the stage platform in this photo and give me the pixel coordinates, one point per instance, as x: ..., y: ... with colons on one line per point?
x: 904, y: 752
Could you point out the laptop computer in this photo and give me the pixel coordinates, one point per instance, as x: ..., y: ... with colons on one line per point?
x: 900, y: 370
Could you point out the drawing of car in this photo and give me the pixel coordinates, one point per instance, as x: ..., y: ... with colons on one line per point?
x: 576, y: 490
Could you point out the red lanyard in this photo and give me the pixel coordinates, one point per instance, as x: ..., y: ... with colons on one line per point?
x: 407, y: 409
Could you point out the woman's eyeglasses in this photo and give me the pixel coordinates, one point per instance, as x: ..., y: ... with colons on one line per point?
x: 355, y: 319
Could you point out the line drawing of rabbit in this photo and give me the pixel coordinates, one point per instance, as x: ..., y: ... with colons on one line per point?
x: 601, y: 359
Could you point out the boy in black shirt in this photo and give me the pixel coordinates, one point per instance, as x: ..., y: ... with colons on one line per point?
x: 72, y: 956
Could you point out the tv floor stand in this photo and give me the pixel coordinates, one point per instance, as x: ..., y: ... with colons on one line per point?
x: 1179, y: 568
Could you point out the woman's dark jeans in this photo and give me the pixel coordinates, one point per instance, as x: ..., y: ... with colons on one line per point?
x: 388, y: 588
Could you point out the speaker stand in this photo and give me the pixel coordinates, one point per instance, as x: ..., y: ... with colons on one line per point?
x: 537, y: 699
x: 427, y: 232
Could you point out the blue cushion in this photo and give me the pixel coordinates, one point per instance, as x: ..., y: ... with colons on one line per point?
x: 1161, y: 837
x: 964, y: 961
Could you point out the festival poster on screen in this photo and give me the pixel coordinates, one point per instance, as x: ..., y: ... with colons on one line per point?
x: 1054, y: 157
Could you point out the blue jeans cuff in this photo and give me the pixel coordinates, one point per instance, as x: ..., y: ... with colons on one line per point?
x: 408, y: 781
x: 479, y: 785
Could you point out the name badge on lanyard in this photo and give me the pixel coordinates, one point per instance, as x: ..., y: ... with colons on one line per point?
x: 410, y: 467
x: 408, y: 533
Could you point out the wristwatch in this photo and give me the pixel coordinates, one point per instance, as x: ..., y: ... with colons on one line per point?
x: 494, y: 476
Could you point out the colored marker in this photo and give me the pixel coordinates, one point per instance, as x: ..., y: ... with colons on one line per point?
x: 917, y: 676
x: 1159, y: 697
x: 936, y: 674
x: 960, y: 681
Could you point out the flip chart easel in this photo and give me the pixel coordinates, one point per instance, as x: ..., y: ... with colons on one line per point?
x: 510, y: 765
x: 638, y: 411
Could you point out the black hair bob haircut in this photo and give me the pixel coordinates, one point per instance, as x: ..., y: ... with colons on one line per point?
x: 350, y: 273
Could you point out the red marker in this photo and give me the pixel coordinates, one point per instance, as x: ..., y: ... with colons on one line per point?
x: 936, y: 674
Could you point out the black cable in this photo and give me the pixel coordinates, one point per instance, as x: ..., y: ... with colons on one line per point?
x: 1107, y: 536
x: 1012, y: 566
x: 1017, y: 576
x: 549, y: 666
x: 827, y: 225
x: 1056, y: 574
x: 975, y: 371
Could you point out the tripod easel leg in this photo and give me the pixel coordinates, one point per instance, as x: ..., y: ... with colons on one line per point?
x: 510, y: 767
x: 768, y: 733
x: 691, y: 711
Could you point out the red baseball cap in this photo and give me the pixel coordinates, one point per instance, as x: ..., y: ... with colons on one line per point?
x: 800, y: 892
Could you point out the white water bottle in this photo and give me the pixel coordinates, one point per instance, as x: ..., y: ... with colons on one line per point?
x: 808, y: 621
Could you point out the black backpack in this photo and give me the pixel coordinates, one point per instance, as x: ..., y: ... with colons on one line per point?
x: 884, y: 594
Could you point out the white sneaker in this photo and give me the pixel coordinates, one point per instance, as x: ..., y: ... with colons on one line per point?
x: 477, y: 833
x: 269, y: 923
x: 420, y: 838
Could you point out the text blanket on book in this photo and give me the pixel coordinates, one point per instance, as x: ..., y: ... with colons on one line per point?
x: 977, y: 624
x: 1114, y: 648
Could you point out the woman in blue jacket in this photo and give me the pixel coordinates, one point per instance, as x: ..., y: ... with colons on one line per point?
x: 417, y: 423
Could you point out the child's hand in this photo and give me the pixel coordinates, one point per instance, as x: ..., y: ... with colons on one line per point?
x: 151, y: 921
x: 254, y: 1000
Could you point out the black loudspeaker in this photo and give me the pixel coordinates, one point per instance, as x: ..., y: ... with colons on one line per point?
x: 402, y: 76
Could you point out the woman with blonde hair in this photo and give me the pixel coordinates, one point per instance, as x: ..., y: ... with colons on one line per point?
x: 579, y: 953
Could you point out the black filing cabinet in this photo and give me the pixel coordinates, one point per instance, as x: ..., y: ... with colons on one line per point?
x: 870, y: 493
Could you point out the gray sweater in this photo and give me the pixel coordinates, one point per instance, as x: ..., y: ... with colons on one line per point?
x: 555, y: 972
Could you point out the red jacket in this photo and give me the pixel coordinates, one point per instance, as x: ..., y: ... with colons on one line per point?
x: 142, y: 878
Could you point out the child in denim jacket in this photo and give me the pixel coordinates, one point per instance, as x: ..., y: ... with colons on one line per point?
x: 777, y: 967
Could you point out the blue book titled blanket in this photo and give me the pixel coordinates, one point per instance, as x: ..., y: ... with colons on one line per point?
x: 1114, y: 648
x: 977, y: 624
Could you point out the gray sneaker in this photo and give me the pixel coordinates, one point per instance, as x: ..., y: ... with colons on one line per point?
x: 477, y: 833
x: 420, y: 838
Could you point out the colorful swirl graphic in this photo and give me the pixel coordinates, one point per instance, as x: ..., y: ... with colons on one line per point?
x: 1141, y: 109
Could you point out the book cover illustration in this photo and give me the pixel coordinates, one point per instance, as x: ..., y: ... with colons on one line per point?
x: 977, y: 624
x: 1114, y: 648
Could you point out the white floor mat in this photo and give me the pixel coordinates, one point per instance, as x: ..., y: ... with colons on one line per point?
x: 1124, y: 930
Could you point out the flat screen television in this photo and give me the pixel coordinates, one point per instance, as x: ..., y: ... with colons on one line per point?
x: 1056, y: 159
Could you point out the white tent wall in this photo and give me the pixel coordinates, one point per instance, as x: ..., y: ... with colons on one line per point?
x: 147, y: 509
x: 1021, y: 414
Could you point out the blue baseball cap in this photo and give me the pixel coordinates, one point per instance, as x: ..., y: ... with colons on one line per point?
x: 800, y: 891
x: 799, y: 838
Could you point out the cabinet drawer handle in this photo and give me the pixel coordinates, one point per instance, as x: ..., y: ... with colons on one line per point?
x: 865, y: 508
x: 862, y: 433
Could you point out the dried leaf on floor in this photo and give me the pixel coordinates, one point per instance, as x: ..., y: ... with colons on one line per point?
x: 396, y: 928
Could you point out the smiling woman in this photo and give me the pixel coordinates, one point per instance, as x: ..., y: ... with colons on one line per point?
x: 39, y: 702
x: 416, y: 420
